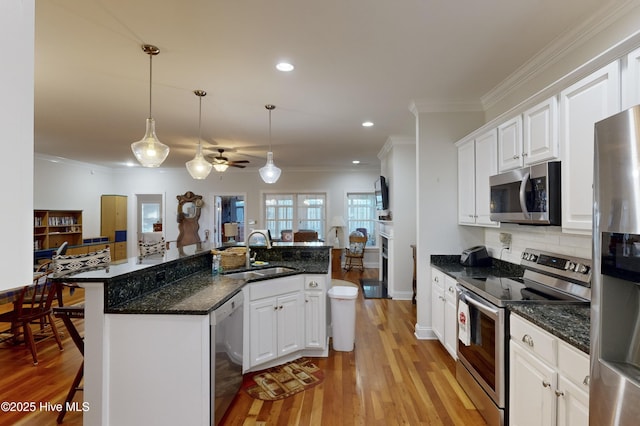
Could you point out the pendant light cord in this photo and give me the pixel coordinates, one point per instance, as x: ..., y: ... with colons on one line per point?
x: 200, y: 124
x: 150, y: 80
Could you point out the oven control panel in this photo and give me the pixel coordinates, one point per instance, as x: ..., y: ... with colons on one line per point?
x: 563, y: 265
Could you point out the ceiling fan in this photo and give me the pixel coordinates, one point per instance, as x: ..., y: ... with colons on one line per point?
x: 220, y: 162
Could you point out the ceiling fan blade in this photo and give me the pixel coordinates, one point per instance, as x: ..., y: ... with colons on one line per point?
x: 239, y: 161
x: 236, y: 165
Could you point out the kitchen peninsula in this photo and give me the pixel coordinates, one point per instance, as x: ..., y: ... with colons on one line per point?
x: 149, y: 333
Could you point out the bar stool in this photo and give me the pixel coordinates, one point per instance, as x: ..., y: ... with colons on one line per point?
x: 66, y: 314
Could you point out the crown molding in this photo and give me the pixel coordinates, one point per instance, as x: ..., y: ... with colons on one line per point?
x: 394, y: 141
x: 557, y: 49
x: 426, y: 106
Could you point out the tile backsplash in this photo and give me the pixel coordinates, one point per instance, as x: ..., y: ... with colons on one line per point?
x: 548, y: 238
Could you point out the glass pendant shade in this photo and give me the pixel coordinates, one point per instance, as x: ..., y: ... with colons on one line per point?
x: 149, y: 151
x: 220, y: 167
x: 270, y: 173
x: 199, y: 168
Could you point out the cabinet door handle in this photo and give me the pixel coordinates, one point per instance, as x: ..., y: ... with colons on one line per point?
x: 450, y: 289
x: 546, y: 384
x: 515, y: 157
x: 559, y: 393
x: 275, y: 308
x: 586, y: 380
x: 528, y: 340
x: 436, y: 279
x: 524, y: 154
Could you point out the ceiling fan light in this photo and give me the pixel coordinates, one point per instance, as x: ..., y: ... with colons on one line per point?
x: 270, y: 173
x: 199, y: 168
x: 149, y: 151
x: 220, y: 167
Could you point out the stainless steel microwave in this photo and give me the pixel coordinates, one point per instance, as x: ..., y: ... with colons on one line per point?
x: 530, y: 195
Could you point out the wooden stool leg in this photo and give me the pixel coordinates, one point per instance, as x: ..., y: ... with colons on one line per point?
x: 72, y: 392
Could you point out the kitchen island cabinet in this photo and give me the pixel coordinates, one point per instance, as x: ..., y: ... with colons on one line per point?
x: 148, y: 335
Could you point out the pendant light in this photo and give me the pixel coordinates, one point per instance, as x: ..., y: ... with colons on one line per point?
x: 149, y: 151
x: 270, y: 173
x: 199, y: 168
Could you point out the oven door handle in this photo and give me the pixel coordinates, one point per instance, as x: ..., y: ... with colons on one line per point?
x: 482, y: 307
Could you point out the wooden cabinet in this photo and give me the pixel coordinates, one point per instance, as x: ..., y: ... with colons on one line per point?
x: 276, y: 319
x: 548, y: 379
x: 477, y: 160
x: 51, y: 228
x: 444, y: 312
x: 315, y: 308
x: 581, y: 106
x: 113, y: 224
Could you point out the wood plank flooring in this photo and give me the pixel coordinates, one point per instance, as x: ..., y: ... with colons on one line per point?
x: 390, y: 378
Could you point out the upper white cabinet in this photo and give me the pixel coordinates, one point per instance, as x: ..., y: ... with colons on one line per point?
x: 510, y: 152
x: 530, y: 138
x: 631, y: 81
x: 581, y: 106
x: 540, y: 139
x: 477, y: 160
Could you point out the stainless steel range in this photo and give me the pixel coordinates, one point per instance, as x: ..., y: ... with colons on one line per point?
x: 482, y: 367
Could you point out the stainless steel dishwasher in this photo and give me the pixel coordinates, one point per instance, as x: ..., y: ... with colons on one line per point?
x: 226, y: 354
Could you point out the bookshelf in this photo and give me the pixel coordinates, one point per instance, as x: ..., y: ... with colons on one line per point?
x: 53, y: 227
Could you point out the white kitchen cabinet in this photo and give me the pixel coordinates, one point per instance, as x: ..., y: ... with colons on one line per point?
x: 581, y: 106
x: 437, y: 303
x: 631, y: 81
x: 444, y: 310
x: 548, y: 378
x: 275, y: 319
x: 531, y: 138
x: 540, y: 133
x: 450, y: 317
x: 315, y: 308
x: 510, y: 152
x: 477, y: 160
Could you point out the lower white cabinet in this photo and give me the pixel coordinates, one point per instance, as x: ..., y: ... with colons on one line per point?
x: 548, y: 379
x: 285, y: 318
x: 315, y: 308
x: 276, y: 319
x: 444, y: 311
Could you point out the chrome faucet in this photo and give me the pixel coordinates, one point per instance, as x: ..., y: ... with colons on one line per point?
x: 265, y: 234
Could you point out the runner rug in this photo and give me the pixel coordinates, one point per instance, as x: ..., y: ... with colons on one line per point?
x: 283, y: 381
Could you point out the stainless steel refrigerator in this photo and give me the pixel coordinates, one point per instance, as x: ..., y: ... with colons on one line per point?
x: 614, y: 397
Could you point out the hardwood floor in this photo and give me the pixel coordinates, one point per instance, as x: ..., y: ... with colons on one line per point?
x: 390, y: 378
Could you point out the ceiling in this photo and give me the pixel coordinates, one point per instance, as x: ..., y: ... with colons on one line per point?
x: 355, y: 60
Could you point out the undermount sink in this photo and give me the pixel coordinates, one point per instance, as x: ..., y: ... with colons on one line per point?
x: 260, y: 273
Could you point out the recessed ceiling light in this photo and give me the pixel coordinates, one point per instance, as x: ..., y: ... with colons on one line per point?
x: 367, y: 124
x: 356, y: 161
x: 284, y: 67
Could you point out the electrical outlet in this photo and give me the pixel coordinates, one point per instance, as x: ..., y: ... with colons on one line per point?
x: 505, y: 239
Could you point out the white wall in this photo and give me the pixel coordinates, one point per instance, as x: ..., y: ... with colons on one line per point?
x: 72, y: 185
x: 17, y: 31
x: 438, y: 231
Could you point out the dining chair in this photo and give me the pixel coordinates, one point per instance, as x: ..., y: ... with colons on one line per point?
x: 33, y: 304
x: 146, y: 249
x: 354, y: 252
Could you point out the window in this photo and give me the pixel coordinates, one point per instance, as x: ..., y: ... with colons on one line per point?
x: 295, y: 212
x: 150, y: 214
x: 361, y: 214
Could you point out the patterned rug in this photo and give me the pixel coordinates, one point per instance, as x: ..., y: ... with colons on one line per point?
x: 283, y: 381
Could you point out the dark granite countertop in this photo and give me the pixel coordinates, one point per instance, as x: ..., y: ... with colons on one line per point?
x: 569, y: 322
x: 450, y: 265
x: 197, y: 294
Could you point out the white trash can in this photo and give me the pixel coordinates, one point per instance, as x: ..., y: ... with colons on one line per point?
x: 343, y: 317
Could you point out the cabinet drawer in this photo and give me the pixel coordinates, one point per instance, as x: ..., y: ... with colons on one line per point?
x: 314, y: 283
x: 437, y: 278
x: 450, y: 289
x: 275, y: 287
x: 574, y: 364
x: 534, y: 339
